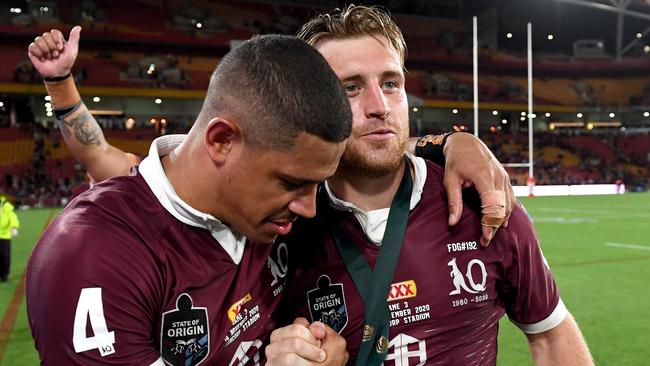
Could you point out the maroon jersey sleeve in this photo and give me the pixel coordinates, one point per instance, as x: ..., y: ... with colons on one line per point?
x: 92, y: 286
x: 531, y: 296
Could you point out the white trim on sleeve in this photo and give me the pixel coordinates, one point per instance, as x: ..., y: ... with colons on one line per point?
x: 552, y: 321
x: 158, y: 362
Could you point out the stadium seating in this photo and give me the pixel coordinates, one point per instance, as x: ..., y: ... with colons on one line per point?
x: 637, y: 147
x: 434, y: 46
x: 439, y: 72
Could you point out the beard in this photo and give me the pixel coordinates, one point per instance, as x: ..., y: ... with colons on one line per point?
x: 375, y: 158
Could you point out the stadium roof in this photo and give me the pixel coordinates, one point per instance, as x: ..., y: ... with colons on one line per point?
x: 567, y: 20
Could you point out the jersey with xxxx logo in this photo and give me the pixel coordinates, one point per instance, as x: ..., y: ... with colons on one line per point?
x: 448, y: 292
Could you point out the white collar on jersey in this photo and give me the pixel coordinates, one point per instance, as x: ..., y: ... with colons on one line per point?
x: 152, y: 171
x: 374, y: 222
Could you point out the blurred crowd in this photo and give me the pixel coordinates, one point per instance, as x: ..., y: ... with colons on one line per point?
x: 556, y: 168
x: 45, y: 182
x: 49, y: 181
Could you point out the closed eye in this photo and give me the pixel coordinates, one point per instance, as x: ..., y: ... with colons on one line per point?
x: 291, y: 186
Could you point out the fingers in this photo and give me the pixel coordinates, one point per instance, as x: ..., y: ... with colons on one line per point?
x: 34, y: 52
x: 297, y: 347
x: 317, y: 330
x: 335, y: 347
x: 75, y: 34
x: 511, y: 200
x: 494, y: 201
x: 50, y: 42
x: 301, y: 321
x: 46, y: 46
x: 493, y: 213
x: 43, y: 48
x: 51, y: 55
x: 487, y: 233
x: 294, y: 331
x: 58, y: 38
x: 470, y: 162
x: 285, y: 359
x: 453, y: 186
x: 296, y: 344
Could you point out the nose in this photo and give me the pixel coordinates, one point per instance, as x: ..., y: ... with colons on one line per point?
x: 376, y: 105
x: 305, y: 202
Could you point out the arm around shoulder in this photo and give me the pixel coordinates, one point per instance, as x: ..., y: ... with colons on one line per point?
x: 469, y: 162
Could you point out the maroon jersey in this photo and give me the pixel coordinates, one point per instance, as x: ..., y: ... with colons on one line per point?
x: 448, y: 292
x: 117, y: 279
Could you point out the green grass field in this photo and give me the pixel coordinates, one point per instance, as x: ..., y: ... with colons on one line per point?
x: 598, y: 248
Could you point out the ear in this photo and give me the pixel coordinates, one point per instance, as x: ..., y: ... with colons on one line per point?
x: 220, y: 136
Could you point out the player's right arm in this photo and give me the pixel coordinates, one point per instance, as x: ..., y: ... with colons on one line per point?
x: 93, y: 294
x: 53, y: 57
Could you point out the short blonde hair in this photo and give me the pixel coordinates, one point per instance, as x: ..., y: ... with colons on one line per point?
x: 352, y: 22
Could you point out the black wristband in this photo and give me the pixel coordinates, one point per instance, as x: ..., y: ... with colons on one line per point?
x: 62, y: 113
x: 432, y: 152
x: 444, y: 139
x: 429, y: 148
x: 57, y: 78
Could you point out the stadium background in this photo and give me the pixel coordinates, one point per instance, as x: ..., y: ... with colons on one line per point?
x: 144, y: 66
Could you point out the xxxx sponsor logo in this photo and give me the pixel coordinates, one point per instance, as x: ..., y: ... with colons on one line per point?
x: 236, y: 307
x: 402, y: 290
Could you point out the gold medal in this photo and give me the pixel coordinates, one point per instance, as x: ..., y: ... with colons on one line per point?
x: 382, y: 345
x: 368, y: 333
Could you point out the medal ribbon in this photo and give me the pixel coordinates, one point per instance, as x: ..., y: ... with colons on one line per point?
x: 373, y: 286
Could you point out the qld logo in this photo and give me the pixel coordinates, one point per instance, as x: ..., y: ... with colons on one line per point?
x: 185, y: 337
x: 327, y: 304
x: 459, y: 281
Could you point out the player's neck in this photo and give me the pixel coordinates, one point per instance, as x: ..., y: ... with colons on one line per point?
x: 183, y: 168
x: 367, y: 192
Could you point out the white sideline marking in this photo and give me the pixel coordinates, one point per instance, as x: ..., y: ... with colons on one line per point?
x: 571, y: 210
x: 564, y: 220
x: 629, y: 246
x: 611, y: 213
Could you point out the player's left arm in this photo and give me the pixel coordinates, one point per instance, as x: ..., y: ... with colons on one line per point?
x: 469, y: 162
x: 532, y: 298
x: 562, y: 345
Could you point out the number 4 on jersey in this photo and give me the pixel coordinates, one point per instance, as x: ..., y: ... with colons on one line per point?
x: 90, y: 307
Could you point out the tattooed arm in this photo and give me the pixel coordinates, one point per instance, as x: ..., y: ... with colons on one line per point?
x: 87, y: 144
x: 53, y: 57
